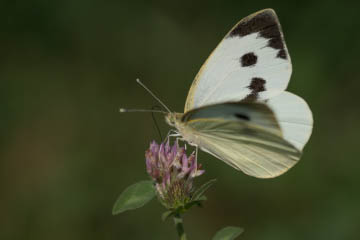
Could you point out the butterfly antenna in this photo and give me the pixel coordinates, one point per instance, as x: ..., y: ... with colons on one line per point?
x: 124, y: 110
x: 153, y: 95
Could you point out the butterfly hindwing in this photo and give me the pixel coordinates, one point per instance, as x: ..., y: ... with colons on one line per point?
x: 244, y: 135
x: 294, y: 117
x: 251, y: 62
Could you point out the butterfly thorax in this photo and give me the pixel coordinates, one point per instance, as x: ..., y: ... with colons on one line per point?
x: 175, y: 120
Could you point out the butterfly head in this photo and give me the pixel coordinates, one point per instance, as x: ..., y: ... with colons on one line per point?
x: 173, y: 118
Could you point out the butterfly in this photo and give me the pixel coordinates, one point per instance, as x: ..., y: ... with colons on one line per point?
x: 237, y: 108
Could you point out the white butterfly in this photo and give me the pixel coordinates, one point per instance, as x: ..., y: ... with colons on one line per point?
x: 237, y: 108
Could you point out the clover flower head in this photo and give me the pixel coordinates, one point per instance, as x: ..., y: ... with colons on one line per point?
x: 173, y: 173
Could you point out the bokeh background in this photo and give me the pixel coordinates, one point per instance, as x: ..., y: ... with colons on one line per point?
x: 66, y: 153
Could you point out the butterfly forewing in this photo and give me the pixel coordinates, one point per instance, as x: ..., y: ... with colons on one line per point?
x: 251, y: 62
x: 244, y: 135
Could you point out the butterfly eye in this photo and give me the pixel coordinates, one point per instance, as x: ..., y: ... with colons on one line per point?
x: 242, y: 116
x: 170, y: 119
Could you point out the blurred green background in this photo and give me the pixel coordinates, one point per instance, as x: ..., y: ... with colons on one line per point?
x: 66, y: 153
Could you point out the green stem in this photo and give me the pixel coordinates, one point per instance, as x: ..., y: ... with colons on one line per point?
x: 179, y: 226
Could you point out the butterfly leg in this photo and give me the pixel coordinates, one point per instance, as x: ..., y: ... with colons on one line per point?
x: 170, y: 133
x: 180, y: 138
x: 173, y: 133
x: 196, y: 152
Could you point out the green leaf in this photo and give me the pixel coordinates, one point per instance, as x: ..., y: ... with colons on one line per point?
x: 135, y: 196
x: 228, y: 233
x: 201, y: 190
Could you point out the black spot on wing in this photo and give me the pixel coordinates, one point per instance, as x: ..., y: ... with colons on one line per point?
x: 248, y: 59
x: 242, y: 116
x: 257, y: 85
x: 267, y: 25
x: 282, y: 54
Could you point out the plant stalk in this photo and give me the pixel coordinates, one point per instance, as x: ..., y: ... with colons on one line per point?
x: 179, y: 226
